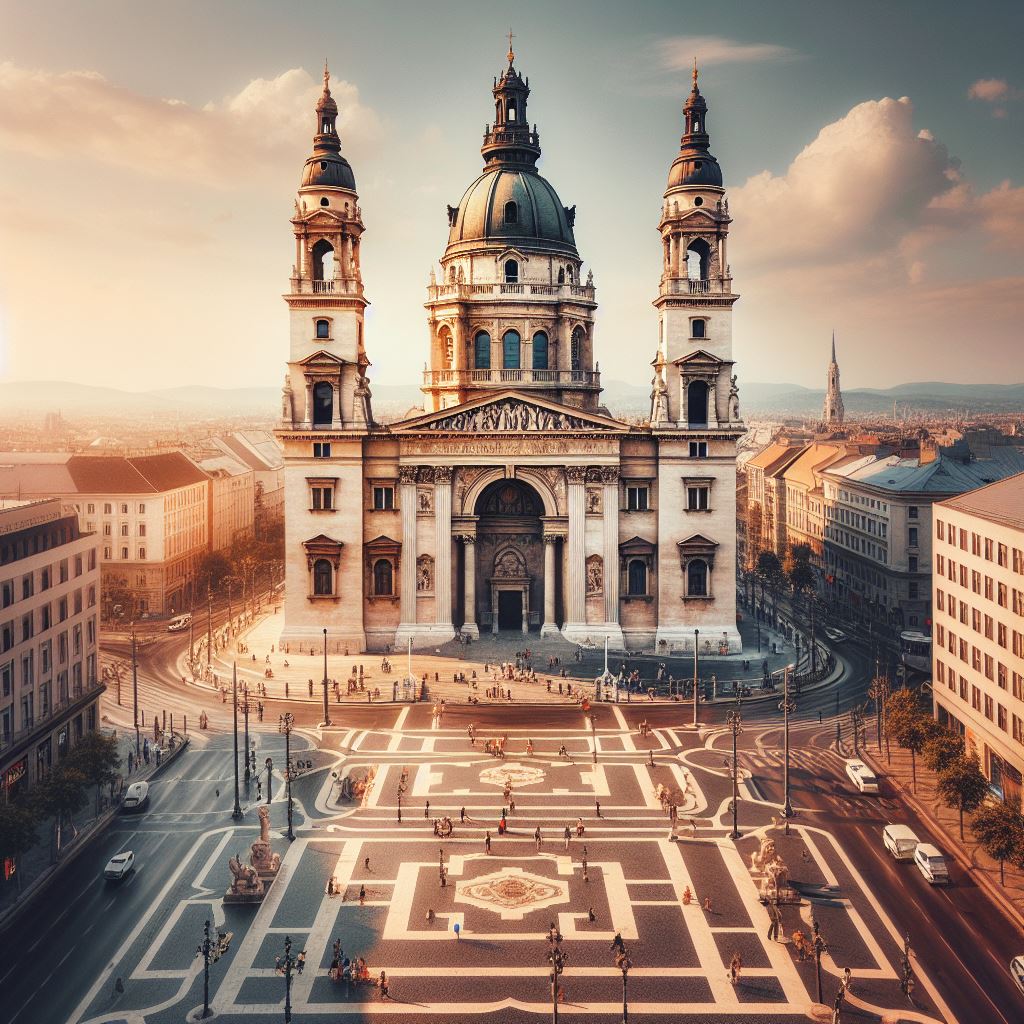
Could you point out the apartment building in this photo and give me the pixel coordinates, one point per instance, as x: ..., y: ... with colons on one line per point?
x: 805, y: 498
x: 766, y: 498
x: 262, y: 453
x: 49, y: 607
x: 978, y: 650
x: 232, y: 499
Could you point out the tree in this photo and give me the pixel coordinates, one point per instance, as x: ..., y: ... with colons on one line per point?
x: 800, y: 553
x: 999, y: 827
x: 60, y: 795
x: 18, y: 824
x: 212, y: 570
x: 769, y: 571
x: 801, y: 577
x: 941, y: 748
x: 97, y: 758
x: 908, y: 725
x: 963, y: 785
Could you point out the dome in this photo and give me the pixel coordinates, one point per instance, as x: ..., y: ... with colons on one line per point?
x: 328, y: 170
x: 695, y: 168
x: 539, y: 220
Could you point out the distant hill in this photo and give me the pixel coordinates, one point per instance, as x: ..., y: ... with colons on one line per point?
x: 391, y: 401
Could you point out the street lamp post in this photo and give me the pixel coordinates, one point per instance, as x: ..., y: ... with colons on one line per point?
x: 819, y: 945
x: 135, y: 698
x: 246, y: 708
x: 557, y: 959
x: 735, y: 722
x: 236, y: 812
x: 284, y: 725
x: 624, y: 963
x: 211, y: 952
x: 327, y: 716
x: 787, y: 707
x: 209, y: 625
x: 696, y: 677
x: 270, y: 775
x: 285, y: 966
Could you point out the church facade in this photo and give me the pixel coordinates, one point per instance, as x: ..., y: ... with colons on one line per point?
x: 515, y: 502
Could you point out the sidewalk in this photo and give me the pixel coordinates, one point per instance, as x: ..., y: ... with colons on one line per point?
x: 946, y: 822
x: 482, y: 657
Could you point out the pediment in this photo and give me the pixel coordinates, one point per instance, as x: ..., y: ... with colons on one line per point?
x: 512, y: 253
x: 510, y: 412
x: 324, y: 217
x: 698, y: 219
x: 697, y: 542
x: 322, y: 358
x: 698, y: 358
x: 637, y: 546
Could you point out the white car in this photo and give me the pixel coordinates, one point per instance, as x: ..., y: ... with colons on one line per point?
x: 1017, y: 971
x: 901, y: 841
x: 862, y: 776
x: 119, y: 866
x: 931, y: 864
x: 835, y: 635
x: 136, y: 797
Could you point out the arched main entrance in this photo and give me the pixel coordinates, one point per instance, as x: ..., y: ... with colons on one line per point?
x: 509, y: 557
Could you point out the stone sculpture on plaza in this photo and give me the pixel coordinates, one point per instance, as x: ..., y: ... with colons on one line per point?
x: 263, y: 860
x: 246, y: 885
x: 767, y: 862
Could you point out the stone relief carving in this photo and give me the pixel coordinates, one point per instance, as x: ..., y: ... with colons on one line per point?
x: 510, y: 415
x: 609, y: 474
x: 734, y: 401
x: 595, y: 574
x: 442, y: 474
x: 424, y: 500
x: 576, y: 474
x: 593, y: 500
x: 509, y: 565
x: 424, y: 574
x: 425, y: 475
x: 407, y: 474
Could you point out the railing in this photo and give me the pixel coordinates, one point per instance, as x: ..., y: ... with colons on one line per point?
x: 452, y: 290
x: 542, y: 378
x: 305, y: 286
x: 695, y: 286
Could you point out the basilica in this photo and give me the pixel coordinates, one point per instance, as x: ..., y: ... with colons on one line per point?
x: 515, y: 502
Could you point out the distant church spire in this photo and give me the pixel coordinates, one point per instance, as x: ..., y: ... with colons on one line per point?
x: 833, y: 413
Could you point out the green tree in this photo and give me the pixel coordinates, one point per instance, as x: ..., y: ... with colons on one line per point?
x: 769, y: 572
x: 800, y: 553
x: 908, y: 725
x: 18, y: 824
x: 963, y: 785
x: 999, y: 827
x: 801, y: 577
x: 96, y: 757
x: 212, y: 569
x: 60, y: 795
x: 942, y: 747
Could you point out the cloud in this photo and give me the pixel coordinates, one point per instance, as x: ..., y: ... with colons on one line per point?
x: 677, y: 52
x: 1002, y: 211
x: 990, y: 90
x: 75, y: 114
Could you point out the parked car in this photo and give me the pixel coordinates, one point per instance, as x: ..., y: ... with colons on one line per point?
x: 900, y: 840
x: 862, y: 776
x: 179, y: 622
x: 835, y: 635
x: 120, y: 866
x: 1017, y: 971
x: 931, y: 864
x: 136, y: 797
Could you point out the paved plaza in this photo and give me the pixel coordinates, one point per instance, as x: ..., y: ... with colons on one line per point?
x: 631, y: 872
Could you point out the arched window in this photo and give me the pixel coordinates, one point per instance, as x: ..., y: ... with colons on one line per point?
x: 697, y: 578
x: 512, y: 111
x: 511, y: 271
x: 699, y: 328
x: 698, y: 260
x: 540, y: 351
x: 697, y: 403
x: 510, y: 344
x: 323, y: 404
x: 511, y: 214
x: 323, y: 328
x: 482, y: 351
x: 561, y: 275
x: 323, y: 261
x: 636, y: 583
x: 323, y: 578
x: 576, y: 350
x: 569, y: 275
x: 382, y: 578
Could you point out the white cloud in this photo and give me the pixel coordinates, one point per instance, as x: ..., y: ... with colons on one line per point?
x: 77, y: 114
x: 990, y: 90
x: 677, y: 53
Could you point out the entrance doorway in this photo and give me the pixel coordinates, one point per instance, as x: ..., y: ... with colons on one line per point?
x: 510, y: 610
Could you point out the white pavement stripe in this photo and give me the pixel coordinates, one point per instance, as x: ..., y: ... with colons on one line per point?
x: 396, y: 738
x: 627, y: 738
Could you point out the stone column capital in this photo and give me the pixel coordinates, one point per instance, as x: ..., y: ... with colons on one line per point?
x: 466, y: 538
x: 576, y: 474
x: 609, y: 474
x: 443, y: 474
x: 551, y: 539
x: 407, y: 474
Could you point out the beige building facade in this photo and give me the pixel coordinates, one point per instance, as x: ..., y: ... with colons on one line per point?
x: 978, y: 649
x: 515, y: 502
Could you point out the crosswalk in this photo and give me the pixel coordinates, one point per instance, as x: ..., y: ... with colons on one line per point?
x: 812, y: 760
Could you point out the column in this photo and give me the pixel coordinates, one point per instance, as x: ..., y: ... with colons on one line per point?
x: 407, y: 500
x: 610, y: 506
x: 576, y: 593
x: 307, y: 417
x: 443, y: 545
x: 336, y: 417
x: 469, y: 588
x: 550, y: 627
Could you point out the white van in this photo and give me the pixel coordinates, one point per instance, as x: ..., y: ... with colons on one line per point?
x: 862, y: 776
x: 179, y: 622
x: 900, y: 841
x: 931, y: 864
x: 136, y: 797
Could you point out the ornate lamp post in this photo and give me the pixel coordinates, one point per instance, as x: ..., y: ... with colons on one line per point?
x: 286, y: 966
x: 211, y: 951
x: 284, y: 725
x: 209, y: 625
x: 327, y: 716
x: 624, y: 963
x: 236, y: 813
x: 819, y: 945
x: 135, y: 698
x: 245, y: 705
x: 696, y: 677
x: 734, y: 720
x: 787, y: 707
x: 557, y: 959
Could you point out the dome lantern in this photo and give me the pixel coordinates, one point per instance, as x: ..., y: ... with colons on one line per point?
x: 326, y: 167
x: 695, y: 165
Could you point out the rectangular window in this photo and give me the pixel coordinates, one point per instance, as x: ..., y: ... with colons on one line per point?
x: 1002, y: 675
x: 1001, y: 634
x: 697, y: 499
x: 989, y: 706
x: 383, y: 498
x: 698, y: 449
x: 990, y: 667
x: 637, y: 498
x: 912, y: 536
x: 107, y: 508
x: 142, y: 508
x: 913, y: 591
x: 912, y: 511
x: 142, y: 529
x: 1018, y: 729
x: 322, y: 497
x: 988, y: 588
x: 940, y: 529
x: 912, y: 563
x: 124, y: 529
x: 142, y: 554
x: 124, y: 554
x: 1002, y: 558
x: 321, y: 449
x: 988, y: 549
x: 1001, y: 717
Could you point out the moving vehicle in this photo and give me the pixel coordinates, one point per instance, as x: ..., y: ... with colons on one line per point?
x: 916, y: 650
x: 931, y: 864
x: 835, y: 635
x: 1017, y: 971
x: 136, y: 797
x: 862, y: 776
x: 179, y: 622
x: 901, y: 841
x: 120, y: 866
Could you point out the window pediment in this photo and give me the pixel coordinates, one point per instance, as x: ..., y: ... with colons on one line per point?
x: 321, y: 359
x: 697, y: 546
x: 701, y: 359
x: 637, y: 547
x: 323, y: 546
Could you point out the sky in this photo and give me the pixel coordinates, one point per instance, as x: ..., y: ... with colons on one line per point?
x: 150, y: 152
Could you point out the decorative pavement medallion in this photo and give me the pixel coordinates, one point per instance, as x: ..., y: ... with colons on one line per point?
x: 517, y: 774
x: 512, y: 892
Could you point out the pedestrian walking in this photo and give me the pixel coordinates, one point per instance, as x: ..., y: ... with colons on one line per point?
x: 847, y: 979
x: 568, y: 835
x: 735, y: 964
x: 462, y: 815
x: 707, y: 904
x: 366, y: 864
x: 591, y: 915
x: 487, y: 842
x: 538, y: 837
x: 597, y: 807
x: 362, y: 895
x: 617, y: 943
x: 382, y: 981
x: 775, y: 919
x: 511, y: 806
x: 426, y: 809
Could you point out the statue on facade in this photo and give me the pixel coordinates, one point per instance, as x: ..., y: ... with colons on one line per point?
x: 590, y: 279
x: 287, y: 409
x: 595, y: 575
x: 593, y: 501
x: 424, y: 573
x: 734, y: 401
x: 659, y: 400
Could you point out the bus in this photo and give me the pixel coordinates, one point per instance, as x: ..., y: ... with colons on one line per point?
x: 916, y: 651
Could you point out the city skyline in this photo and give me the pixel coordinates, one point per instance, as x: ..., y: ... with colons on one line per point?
x: 904, y: 235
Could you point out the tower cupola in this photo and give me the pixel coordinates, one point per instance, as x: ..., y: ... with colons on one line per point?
x: 509, y: 141
x: 695, y: 165
x: 326, y: 167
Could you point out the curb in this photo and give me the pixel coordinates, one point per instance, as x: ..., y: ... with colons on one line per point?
x: 43, y: 881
